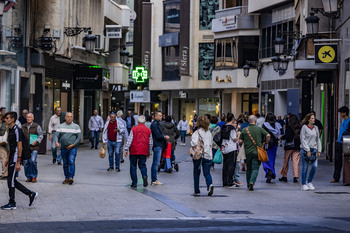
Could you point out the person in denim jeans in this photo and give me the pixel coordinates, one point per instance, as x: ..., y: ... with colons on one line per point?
x: 95, y: 127
x: 34, y: 135
x: 158, y: 142
x: 183, y: 127
x: 310, y: 143
x: 206, y: 160
x: 53, y: 125
x: 113, y: 133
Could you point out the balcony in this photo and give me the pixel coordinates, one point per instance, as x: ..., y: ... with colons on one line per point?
x: 119, y: 14
x: 118, y: 74
x: 235, y: 18
x: 258, y: 5
x: 233, y: 79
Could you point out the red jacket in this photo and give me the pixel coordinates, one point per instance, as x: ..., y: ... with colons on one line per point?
x: 140, y: 142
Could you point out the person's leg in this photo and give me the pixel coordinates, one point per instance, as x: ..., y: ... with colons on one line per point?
x: 206, y: 164
x: 53, y: 149
x: 71, y: 161
x: 97, y: 134
x: 196, y: 173
x: 118, y: 145
x: 3, y: 158
x: 236, y: 172
x: 338, y: 161
x: 285, y: 167
x: 11, y: 182
x: 92, y: 138
x: 225, y: 170
x: 64, y: 153
x: 312, y: 171
x: 255, y: 169
x: 142, y: 165
x: 27, y: 169
x: 157, y: 153
x: 248, y: 164
x: 133, y: 172
x: 59, y: 157
x: 172, y: 155
x: 232, y: 156
x: 110, y: 153
x: 296, y: 159
x: 304, y: 169
x: 34, y: 164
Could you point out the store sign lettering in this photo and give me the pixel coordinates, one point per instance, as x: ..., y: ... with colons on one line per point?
x: 184, y: 58
x: 146, y: 60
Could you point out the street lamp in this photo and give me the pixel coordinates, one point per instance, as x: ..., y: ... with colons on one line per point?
x: 279, y: 45
x: 312, y: 23
x: 276, y: 63
x: 89, y: 40
x: 246, y: 69
x: 330, y: 6
x: 284, y: 64
x: 124, y: 55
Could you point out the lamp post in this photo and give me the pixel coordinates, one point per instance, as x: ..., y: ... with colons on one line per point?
x: 246, y: 69
x: 89, y: 40
x: 279, y: 45
x: 124, y: 55
x: 312, y: 23
x: 330, y: 6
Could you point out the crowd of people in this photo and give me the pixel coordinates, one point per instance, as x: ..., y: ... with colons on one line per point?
x: 234, y: 141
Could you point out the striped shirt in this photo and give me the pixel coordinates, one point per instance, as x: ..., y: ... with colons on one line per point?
x: 68, y: 135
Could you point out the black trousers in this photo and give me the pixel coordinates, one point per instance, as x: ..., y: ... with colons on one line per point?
x: 13, y: 184
x: 228, y: 168
x: 338, y: 161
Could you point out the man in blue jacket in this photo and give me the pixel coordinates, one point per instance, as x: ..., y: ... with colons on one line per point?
x: 158, y: 142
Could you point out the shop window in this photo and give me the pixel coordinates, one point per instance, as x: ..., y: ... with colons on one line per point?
x: 248, y: 48
x: 232, y: 3
x: 226, y: 54
x: 208, y: 106
x: 171, y: 63
x: 207, y: 10
x: 171, y: 16
x: 250, y: 103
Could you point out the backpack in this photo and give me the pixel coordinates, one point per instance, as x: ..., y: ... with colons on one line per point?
x: 226, y: 131
x: 26, y: 152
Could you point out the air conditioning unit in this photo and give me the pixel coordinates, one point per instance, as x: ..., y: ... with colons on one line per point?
x: 106, y: 44
x: 100, y: 43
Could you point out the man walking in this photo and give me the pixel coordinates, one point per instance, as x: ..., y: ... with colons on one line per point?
x: 338, y: 158
x: 158, y: 141
x: 67, y: 137
x: 95, y: 127
x: 23, y: 118
x: 120, y: 116
x: 34, y: 134
x: 252, y: 137
x: 14, y: 163
x: 113, y: 133
x: 53, y: 125
x: 140, y: 144
x: 130, y: 121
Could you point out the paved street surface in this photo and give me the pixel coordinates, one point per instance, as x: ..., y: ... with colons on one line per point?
x: 103, y: 201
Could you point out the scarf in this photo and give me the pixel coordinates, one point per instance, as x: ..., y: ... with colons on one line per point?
x: 275, y: 131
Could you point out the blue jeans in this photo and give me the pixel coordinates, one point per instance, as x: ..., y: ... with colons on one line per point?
x: 183, y: 136
x: 114, y: 149
x: 30, y: 166
x: 56, y: 152
x: 157, y: 153
x: 305, y: 168
x: 206, y: 164
x: 236, y: 173
x: 68, y: 157
x: 142, y: 166
x: 95, y: 136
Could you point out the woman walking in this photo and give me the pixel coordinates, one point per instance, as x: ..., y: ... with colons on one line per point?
x: 214, y: 129
x: 310, y: 150
x: 183, y: 127
x: 291, y: 148
x: 274, y: 130
x: 203, y: 134
x: 170, y: 129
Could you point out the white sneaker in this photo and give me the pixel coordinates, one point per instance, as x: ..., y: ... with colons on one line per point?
x: 310, y: 186
x: 157, y: 182
x: 305, y: 187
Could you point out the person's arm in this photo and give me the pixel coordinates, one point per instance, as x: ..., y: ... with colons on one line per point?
x: 50, y: 129
x: 303, y: 142
x: 101, y: 124
x: 40, y: 134
x: 19, y: 152
x: 194, y: 139
x: 241, y: 139
x: 105, y: 134
x: 150, y: 145
x: 319, y: 144
x: 78, y: 138
x: 121, y: 127
x: 156, y: 132
x: 128, y: 143
x: 90, y: 124
x: 177, y: 132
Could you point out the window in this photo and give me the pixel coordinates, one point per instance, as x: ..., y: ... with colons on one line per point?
x: 171, y: 63
x: 207, y: 10
x: 347, y: 81
x: 250, y: 103
x: 205, y: 60
x: 232, y: 3
x: 208, y: 106
x: 171, y: 16
x: 226, y: 53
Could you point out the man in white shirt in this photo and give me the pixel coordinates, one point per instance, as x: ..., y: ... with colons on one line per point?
x: 95, y: 127
x: 260, y: 120
x: 53, y: 125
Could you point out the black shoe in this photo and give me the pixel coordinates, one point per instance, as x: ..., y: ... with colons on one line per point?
x: 54, y: 161
x: 295, y: 180
x: 96, y: 148
x: 70, y: 181
x: 9, y: 206
x: 117, y: 170
x: 32, y: 198
x: 133, y: 186
x: 59, y: 163
x: 169, y: 170
x: 268, y: 180
x: 92, y: 147
x: 283, y: 179
x: 110, y: 169
x: 176, y: 167
x: 251, y: 186
x: 145, y: 182
x: 122, y: 161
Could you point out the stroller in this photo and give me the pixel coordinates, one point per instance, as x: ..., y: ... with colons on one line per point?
x: 165, y: 160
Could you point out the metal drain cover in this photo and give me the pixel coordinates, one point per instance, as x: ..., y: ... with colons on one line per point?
x: 230, y: 212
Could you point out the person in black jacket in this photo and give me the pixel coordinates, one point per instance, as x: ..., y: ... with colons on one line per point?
x: 274, y: 129
x: 158, y: 142
x: 291, y: 148
x: 130, y: 121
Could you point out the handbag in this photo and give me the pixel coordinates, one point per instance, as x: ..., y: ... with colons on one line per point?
x: 262, y: 154
x: 197, y: 152
x: 217, y: 157
x: 289, y: 145
x: 102, y: 152
x: 312, y: 158
x: 3, y: 139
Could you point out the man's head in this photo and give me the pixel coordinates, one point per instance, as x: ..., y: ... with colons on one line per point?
x: 69, y: 118
x: 252, y: 119
x: 168, y: 119
x: 344, y: 111
x: 279, y: 118
x: 141, y: 119
x: 257, y: 115
x: 3, y: 111
x: 120, y: 113
x: 184, y: 118
x: 95, y: 112
x: 30, y: 118
x: 113, y: 116
x: 230, y: 117
x: 10, y: 118
x: 24, y: 113
x: 129, y: 113
x: 158, y: 116
x: 58, y: 111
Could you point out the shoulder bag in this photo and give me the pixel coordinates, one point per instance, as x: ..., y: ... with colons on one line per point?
x: 262, y: 154
x: 197, y: 151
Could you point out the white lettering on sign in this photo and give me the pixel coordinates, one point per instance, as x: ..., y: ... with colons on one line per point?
x: 113, y: 31
x: 146, y: 60
x: 184, y: 58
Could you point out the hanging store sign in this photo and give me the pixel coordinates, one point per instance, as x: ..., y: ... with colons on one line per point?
x: 140, y: 74
x: 140, y: 96
x: 326, y: 53
x: 185, y: 37
x: 182, y: 95
x: 114, y: 31
x: 89, y: 78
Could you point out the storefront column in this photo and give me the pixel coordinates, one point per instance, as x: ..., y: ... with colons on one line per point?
x: 81, y: 113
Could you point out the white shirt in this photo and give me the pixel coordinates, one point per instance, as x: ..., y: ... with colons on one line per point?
x: 183, y: 126
x: 95, y: 123
x: 207, y: 139
x: 260, y: 121
x: 229, y: 145
x: 54, y: 123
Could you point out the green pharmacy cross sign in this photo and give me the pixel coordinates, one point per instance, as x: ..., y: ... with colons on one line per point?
x: 140, y: 74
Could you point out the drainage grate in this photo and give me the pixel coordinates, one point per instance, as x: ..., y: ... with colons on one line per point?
x: 230, y: 212
x: 332, y: 192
